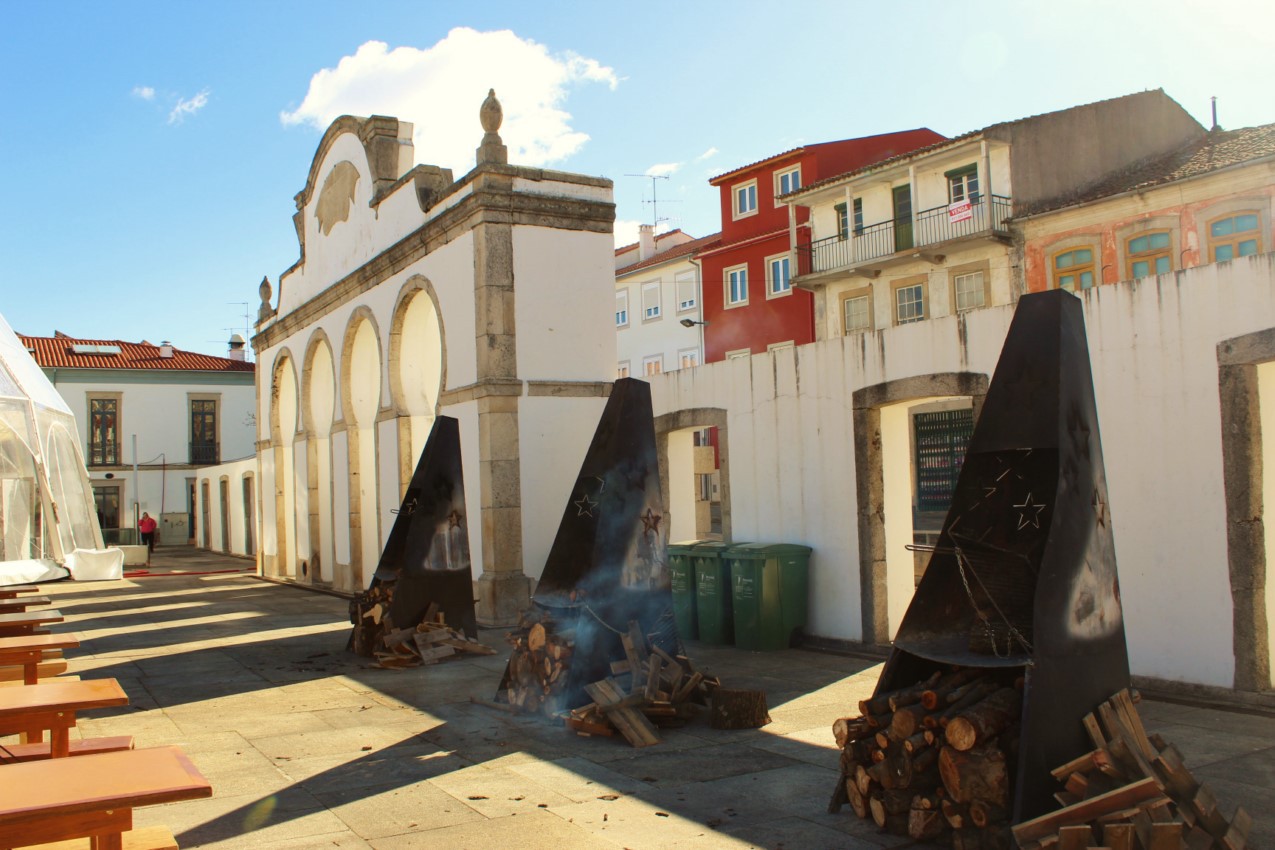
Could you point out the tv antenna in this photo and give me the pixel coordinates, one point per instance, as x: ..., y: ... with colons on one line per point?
x: 654, y: 202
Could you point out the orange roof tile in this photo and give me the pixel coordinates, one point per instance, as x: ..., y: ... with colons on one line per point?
x: 58, y: 352
x: 673, y: 253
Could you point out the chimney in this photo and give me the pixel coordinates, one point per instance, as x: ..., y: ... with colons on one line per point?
x: 646, y: 241
x: 166, y: 350
x: 237, y: 351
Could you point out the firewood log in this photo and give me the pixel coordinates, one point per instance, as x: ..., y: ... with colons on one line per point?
x: 847, y: 729
x: 970, y: 694
x: 984, y: 814
x: 977, y: 774
x: 881, y: 703
x: 907, y: 721
x: 738, y: 709
x: 937, y: 696
x: 925, y: 824
x: 858, y: 801
x: 984, y: 720
x: 956, y: 814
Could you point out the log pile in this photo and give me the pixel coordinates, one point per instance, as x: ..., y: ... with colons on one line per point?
x: 649, y: 688
x: 370, y: 614
x: 932, y: 760
x: 538, y: 665
x: 1131, y: 792
x: 428, y: 642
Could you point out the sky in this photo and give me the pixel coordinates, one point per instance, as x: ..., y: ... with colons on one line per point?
x: 153, y: 150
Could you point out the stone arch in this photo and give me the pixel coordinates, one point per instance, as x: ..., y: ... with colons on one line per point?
x: 1246, y: 388
x: 870, y: 479
x: 318, y: 410
x: 672, y: 436
x: 283, y: 432
x: 417, y: 369
x: 360, y: 392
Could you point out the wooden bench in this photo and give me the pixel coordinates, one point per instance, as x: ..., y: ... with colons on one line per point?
x: 52, y: 707
x: 22, y: 657
x: 21, y: 603
x: 26, y: 622
x: 92, y: 796
x: 143, y: 838
x: 57, y: 668
x: 8, y: 591
x: 14, y: 753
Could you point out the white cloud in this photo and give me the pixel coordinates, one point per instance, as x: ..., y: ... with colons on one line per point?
x: 439, y: 89
x: 706, y: 154
x: 663, y: 169
x: 186, y: 107
x: 626, y: 232
x: 144, y: 92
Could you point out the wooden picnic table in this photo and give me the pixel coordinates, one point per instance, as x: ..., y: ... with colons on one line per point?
x: 18, y: 604
x: 28, y: 651
x: 91, y: 796
x: 32, y: 710
x: 8, y: 591
x: 25, y: 622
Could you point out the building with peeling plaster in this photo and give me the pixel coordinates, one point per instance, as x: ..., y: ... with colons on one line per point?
x: 416, y: 295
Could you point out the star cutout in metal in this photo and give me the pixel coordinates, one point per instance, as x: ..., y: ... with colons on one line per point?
x: 650, y: 521
x: 453, y: 519
x: 1029, y: 513
x: 1100, y: 507
x: 585, y: 505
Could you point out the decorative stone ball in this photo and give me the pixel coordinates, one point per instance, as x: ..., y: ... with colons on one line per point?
x: 264, y: 290
x: 491, y: 115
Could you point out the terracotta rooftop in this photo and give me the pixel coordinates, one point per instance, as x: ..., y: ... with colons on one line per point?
x: 714, y: 181
x: 64, y: 352
x: 632, y: 245
x: 682, y: 250
x: 1219, y: 149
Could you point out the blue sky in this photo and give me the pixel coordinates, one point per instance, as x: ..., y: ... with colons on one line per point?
x: 153, y: 149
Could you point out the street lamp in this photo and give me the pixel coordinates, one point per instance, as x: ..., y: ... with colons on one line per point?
x: 690, y: 323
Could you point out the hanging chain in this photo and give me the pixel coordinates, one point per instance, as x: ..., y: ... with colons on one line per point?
x: 961, y: 563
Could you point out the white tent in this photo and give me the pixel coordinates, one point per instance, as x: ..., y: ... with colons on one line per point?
x: 46, y: 502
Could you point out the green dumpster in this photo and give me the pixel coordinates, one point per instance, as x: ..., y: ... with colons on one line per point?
x: 770, y: 591
x: 712, y: 593
x: 682, y: 577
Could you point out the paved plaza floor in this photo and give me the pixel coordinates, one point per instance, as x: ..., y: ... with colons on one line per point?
x: 307, y: 746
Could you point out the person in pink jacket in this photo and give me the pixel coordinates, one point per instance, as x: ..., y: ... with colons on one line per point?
x: 146, y: 525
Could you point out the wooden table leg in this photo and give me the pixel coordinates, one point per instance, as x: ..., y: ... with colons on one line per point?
x: 60, y: 742
x: 31, y: 672
x: 112, y: 841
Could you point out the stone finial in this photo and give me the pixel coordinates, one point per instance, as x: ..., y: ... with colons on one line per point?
x: 492, y: 150
x: 265, y: 311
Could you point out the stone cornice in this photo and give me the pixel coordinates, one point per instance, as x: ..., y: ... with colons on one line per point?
x: 492, y: 201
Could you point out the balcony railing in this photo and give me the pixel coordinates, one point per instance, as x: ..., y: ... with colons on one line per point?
x: 882, y: 239
x: 204, y: 454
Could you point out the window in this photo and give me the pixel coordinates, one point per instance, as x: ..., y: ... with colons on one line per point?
x: 1234, y: 236
x: 745, y: 199
x: 203, y: 431
x: 778, y: 276
x: 1073, y: 270
x: 650, y: 301
x: 858, y: 216
x: 622, y: 370
x: 856, y: 311
x: 787, y: 181
x: 737, y: 286
x: 104, y: 441
x: 687, y: 291
x: 1149, y: 253
x: 107, y: 499
x: 969, y: 290
x: 909, y: 301
x: 653, y: 365
x: 622, y: 309
x: 962, y: 184
x: 843, y: 222
x: 688, y: 358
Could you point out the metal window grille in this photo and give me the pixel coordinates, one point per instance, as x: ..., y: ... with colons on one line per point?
x: 941, y: 440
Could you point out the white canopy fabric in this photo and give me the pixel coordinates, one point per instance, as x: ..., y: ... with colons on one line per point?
x: 46, y: 501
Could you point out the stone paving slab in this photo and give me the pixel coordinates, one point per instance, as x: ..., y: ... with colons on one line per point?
x: 308, y: 746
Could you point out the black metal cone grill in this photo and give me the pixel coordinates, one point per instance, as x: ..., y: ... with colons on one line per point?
x: 427, y: 555
x: 609, y: 562
x: 1024, y: 571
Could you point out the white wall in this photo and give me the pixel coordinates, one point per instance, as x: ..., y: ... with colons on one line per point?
x: 234, y: 473
x: 664, y: 336
x: 1153, y: 350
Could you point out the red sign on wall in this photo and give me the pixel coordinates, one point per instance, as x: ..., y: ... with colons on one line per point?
x: 959, y: 211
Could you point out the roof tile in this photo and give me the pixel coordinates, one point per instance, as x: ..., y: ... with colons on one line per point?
x: 56, y: 352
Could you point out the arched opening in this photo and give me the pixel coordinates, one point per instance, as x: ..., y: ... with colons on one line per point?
x: 223, y: 487
x: 910, y: 437
x: 361, y: 400
x: 283, y: 430
x: 319, y: 407
x: 417, y: 371
x: 248, y: 487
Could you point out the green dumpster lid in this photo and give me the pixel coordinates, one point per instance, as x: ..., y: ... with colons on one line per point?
x: 689, y: 543
x: 764, y: 550
x: 713, y: 546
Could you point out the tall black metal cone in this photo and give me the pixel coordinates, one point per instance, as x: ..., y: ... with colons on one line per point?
x: 427, y: 554
x: 1024, y: 572
x: 609, y: 561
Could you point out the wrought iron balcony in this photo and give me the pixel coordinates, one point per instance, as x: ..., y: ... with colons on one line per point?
x: 204, y: 454
x: 883, y: 239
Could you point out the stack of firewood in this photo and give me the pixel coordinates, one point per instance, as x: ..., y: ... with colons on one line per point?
x: 649, y: 688
x: 370, y: 614
x: 538, y: 665
x: 1131, y: 791
x: 428, y: 642
x: 931, y: 760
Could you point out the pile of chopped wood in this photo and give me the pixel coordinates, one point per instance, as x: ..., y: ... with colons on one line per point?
x: 931, y: 760
x: 649, y: 688
x: 537, y: 673
x: 370, y: 614
x: 429, y: 642
x: 1131, y: 791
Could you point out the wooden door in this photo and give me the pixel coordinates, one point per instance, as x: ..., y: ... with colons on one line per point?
x: 902, y: 217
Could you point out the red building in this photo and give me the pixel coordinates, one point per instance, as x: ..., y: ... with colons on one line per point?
x: 749, y: 303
